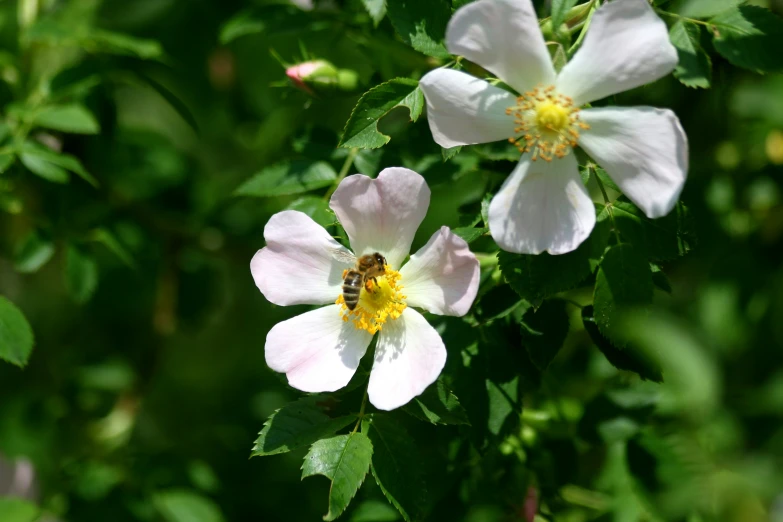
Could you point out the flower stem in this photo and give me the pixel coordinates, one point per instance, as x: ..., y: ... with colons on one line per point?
x: 343, y: 172
x: 361, y: 412
x: 607, y: 203
x: 675, y: 15
x: 585, y: 27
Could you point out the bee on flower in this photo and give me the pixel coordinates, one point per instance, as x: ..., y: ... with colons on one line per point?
x: 543, y: 205
x: 366, y: 291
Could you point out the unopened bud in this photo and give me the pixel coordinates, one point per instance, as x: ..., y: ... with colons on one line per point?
x: 321, y: 77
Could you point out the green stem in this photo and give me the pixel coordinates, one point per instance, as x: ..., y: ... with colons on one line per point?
x: 343, y: 172
x: 585, y: 27
x: 607, y: 203
x: 361, y: 412
x: 675, y: 15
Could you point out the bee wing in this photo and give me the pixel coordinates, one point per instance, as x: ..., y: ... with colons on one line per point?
x: 344, y: 256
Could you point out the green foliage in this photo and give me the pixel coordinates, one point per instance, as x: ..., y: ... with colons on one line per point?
x: 395, y: 465
x: 16, y: 336
x: 438, y: 405
x: 748, y: 36
x: 695, y: 67
x: 32, y: 253
x: 296, y: 425
x: 186, y: 506
x: 81, y: 274
x: 543, y: 332
x: 67, y: 118
x: 288, y: 178
x: 345, y: 460
x: 559, y: 10
x: 623, y: 281
x: 361, y: 130
x: 377, y: 10
x: 703, y: 8
x: 421, y: 24
x: 18, y: 510
x: 660, y: 239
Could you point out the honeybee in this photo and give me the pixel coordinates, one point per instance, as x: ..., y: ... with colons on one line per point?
x: 367, y: 268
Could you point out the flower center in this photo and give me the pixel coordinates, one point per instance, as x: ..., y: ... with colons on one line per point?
x: 377, y: 303
x: 547, y: 123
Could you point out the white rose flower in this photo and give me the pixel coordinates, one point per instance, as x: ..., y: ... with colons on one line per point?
x: 319, y: 351
x: 543, y: 205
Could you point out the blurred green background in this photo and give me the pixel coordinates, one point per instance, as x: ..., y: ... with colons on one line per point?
x: 143, y: 402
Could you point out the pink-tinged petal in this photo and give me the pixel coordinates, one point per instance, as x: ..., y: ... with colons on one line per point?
x: 409, y: 357
x: 464, y: 110
x: 503, y: 37
x: 626, y: 46
x: 643, y: 149
x: 443, y: 276
x: 383, y: 214
x: 542, y: 206
x: 298, y: 263
x: 318, y: 351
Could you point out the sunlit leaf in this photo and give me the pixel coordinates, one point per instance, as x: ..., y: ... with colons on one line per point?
x: 376, y: 8
x: 749, y: 36
x: 288, y: 178
x: 73, y: 118
x: 421, y: 24
x: 694, y: 68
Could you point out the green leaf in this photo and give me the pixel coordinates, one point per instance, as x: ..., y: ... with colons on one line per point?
x: 296, y: 425
x: 374, y: 511
x: 694, y: 68
x: 47, y: 159
x: 470, y: 234
x: 749, y: 36
x: 316, y: 208
x: 438, y: 405
x: 421, y: 24
x: 497, y: 303
x: 544, y: 331
x: 73, y: 118
x: 703, y: 8
x: 344, y: 460
x: 361, y: 130
x: 660, y: 280
x: 33, y: 253
x: 107, y: 239
x: 186, y: 506
x: 604, y: 178
x: 537, y: 277
x: 559, y: 10
x: 451, y: 152
x: 659, y: 239
x: 16, y: 336
x: 395, y: 465
x: 377, y: 10
x: 6, y: 160
x: 624, y: 280
x: 628, y: 358
x: 288, y: 178
x: 44, y: 169
x: 81, y: 274
x: 17, y: 509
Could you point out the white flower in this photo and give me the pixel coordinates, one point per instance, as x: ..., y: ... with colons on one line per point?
x: 320, y: 350
x: 543, y: 205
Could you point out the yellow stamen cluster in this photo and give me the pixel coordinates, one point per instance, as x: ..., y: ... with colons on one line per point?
x: 547, y: 124
x: 377, y: 303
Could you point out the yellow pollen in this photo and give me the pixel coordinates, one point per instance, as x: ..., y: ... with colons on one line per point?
x: 546, y: 124
x: 384, y: 301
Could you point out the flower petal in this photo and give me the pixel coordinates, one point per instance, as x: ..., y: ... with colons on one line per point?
x: 298, y: 264
x: 626, y: 46
x: 464, y: 110
x: 383, y: 214
x: 318, y: 351
x: 443, y: 276
x: 409, y: 357
x: 643, y: 149
x: 503, y: 37
x: 542, y: 206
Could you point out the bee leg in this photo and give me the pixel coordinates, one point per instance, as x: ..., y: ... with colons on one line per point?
x: 345, y: 272
x: 369, y: 283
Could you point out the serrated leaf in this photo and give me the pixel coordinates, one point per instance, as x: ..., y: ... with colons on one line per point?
x: 296, y: 425
x: 345, y: 460
x: 659, y: 239
x: 186, y: 506
x: 694, y: 68
x: 537, y: 277
x: 81, y: 274
x: 376, y: 9
x: 624, y: 280
x: 18, y: 510
x: 395, y: 465
x: 316, y: 208
x: 451, y: 152
x: 361, y: 130
x: 749, y: 36
x: 544, y: 331
x: 421, y: 24
x: 438, y: 405
x: 559, y: 10
x: 288, y: 178
x: 628, y: 358
x: 33, y: 253
x: 74, y: 118
x: 703, y: 8
x: 16, y: 336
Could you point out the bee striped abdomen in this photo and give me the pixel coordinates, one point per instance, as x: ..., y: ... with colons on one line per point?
x: 352, y: 288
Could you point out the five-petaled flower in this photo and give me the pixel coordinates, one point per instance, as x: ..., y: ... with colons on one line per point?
x: 543, y: 205
x: 319, y: 351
